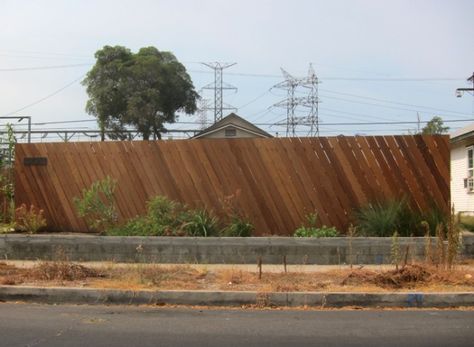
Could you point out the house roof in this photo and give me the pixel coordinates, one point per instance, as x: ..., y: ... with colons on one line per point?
x: 235, y: 121
x: 463, y: 133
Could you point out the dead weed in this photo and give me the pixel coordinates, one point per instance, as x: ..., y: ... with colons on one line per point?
x: 61, y: 271
x: 407, y: 277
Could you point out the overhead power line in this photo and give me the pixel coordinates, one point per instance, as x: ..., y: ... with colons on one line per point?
x: 384, y: 106
x: 50, y: 67
x: 46, y: 97
x: 337, y: 78
x: 391, y: 101
x: 268, y: 123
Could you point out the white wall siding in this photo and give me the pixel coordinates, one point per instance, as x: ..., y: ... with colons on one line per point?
x: 462, y: 200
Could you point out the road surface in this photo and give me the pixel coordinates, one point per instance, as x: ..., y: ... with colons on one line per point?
x: 68, y: 325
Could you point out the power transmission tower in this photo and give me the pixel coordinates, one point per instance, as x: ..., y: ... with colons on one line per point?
x: 312, y: 100
x: 219, y: 86
x: 460, y: 91
x: 203, y: 106
x: 289, y: 84
x: 291, y: 103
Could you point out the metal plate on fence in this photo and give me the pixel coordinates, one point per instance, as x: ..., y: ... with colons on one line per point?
x: 35, y: 161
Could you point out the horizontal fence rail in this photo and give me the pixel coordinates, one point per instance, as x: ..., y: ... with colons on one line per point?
x: 276, y: 182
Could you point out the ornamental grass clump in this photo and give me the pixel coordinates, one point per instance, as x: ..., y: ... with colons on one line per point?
x: 379, y: 219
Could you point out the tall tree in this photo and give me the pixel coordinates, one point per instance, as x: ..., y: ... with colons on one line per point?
x: 435, y: 127
x: 142, y: 90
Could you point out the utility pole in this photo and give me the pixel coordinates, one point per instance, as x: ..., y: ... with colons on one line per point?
x: 418, y: 123
x: 219, y: 86
x: 460, y: 91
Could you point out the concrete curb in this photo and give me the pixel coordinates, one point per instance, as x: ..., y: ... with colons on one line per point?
x: 62, y: 295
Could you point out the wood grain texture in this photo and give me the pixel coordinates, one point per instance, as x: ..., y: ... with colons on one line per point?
x: 280, y: 180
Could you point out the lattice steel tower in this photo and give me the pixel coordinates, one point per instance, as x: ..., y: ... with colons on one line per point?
x: 309, y: 101
x: 312, y: 100
x: 219, y: 86
x: 289, y: 84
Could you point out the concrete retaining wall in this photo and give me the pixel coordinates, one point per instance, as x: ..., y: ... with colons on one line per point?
x: 324, y: 251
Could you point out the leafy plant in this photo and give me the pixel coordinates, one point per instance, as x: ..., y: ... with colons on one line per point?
x: 138, y: 226
x: 236, y: 224
x: 201, y: 223
x: 238, y: 227
x: 379, y: 219
x: 7, y: 188
x: 164, y: 212
x: 311, y: 230
x: 29, y: 219
x: 97, y: 205
x: 164, y: 218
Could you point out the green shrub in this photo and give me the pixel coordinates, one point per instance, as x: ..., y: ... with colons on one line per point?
x: 383, y: 218
x: 166, y: 217
x: 238, y: 227
x: 379, y: 219
x: 97, y: 205
x: 138, y: 226
x: 200, y: 223
x: 466, y: 222
x: 409, y: 222
x: 311, y: 230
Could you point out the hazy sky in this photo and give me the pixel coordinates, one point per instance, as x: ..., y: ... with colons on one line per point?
x: 361, y: 51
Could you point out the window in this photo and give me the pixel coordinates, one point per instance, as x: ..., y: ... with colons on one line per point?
x: 230, y: 132
x: 470, y: 169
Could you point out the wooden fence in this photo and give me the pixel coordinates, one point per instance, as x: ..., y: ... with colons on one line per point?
x: 279, y: 180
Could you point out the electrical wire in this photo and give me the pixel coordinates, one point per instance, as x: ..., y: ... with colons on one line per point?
x: 385, y: 106
x: 35, y: 68
x: 390, y: 101
x: 253, y: 100
x: 46, y: 97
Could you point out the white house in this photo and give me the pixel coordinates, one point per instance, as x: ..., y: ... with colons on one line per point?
x: 462, y: 169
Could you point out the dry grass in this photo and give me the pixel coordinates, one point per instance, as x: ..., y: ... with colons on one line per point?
x: 409, y: 277
x: 186, y: 277
x: 61, y: 271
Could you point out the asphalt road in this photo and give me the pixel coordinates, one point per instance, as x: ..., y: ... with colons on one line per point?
x: 65, y: 325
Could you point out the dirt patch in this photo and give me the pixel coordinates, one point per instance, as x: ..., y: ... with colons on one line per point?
x: 185, y: 277
x: 61, y: 271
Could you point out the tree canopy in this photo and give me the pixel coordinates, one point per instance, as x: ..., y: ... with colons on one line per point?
x: 141, y: 90
x: 435, y: 127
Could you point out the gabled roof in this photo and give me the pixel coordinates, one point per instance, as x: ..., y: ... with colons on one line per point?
x: 236, y: 121
x: 463, y: 133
